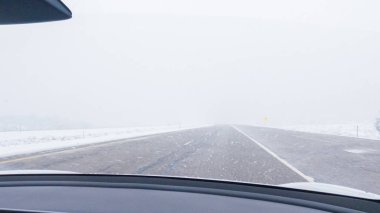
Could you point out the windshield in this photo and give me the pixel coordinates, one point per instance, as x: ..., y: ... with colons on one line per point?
x: 270, y: 92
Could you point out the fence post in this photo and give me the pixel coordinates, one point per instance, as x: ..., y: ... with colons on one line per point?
x: 357, y: 131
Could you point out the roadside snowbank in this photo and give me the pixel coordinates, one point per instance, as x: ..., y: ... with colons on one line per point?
x: 366, y: 130
x: 26, y: 142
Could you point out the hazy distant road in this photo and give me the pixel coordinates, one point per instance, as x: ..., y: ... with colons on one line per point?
x: 242, y: 153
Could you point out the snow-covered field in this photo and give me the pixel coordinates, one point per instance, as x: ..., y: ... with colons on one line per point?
x: 25, y: 142
x: 366, y: 130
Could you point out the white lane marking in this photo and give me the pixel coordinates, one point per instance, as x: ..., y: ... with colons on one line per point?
x: 307, y: 178
x: 360, y: 151
x: 188, y: 143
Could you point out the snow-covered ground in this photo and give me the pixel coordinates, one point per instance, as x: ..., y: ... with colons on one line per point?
x: 25, y: 142
x: 366, y: 129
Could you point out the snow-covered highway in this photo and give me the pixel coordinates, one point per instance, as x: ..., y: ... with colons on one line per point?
x: 241, y: 153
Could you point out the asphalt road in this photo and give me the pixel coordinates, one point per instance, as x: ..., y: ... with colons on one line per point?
x: 345, y: 161
x: 238, y: 153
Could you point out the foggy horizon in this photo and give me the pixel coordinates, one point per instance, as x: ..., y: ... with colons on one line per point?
x: 213, y: 66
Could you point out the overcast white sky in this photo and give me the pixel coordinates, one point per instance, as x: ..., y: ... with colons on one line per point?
x: 147, y: 62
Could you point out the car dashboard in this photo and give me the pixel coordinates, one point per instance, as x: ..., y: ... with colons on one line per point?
x: 108, y: 193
